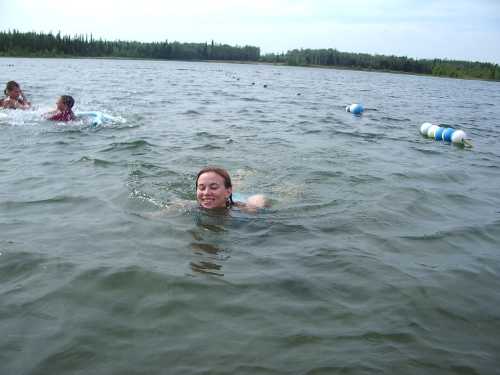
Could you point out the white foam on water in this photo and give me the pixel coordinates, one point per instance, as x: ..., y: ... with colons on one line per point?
x: 36, y: 116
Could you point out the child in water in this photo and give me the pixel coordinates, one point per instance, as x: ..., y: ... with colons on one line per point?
x: 64, y: 110
x: 214, y: 190
x: 15, y: 98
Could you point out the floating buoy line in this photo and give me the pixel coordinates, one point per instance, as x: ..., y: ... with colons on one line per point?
x: 445, y: 134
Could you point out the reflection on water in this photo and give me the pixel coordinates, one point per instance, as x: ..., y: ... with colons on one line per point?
x: 207, y: 239
x: 210, y: 259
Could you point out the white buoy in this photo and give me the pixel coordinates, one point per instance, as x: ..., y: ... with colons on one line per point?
x: 431, y: 132
x: 425, y: 126
x: 458, y: 136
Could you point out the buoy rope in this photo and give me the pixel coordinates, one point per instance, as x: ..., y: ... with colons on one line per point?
x: 467, y: 143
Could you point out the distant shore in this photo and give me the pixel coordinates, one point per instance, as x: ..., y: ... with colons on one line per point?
x: 47, y: 45
x: 243, y: 62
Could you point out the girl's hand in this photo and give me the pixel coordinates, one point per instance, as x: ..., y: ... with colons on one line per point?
x: 26, y: 102
x: 9, y: 103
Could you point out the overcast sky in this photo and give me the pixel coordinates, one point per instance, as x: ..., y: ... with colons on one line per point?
x: 460, y: 29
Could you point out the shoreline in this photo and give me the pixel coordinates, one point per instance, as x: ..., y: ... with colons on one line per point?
x: 247, y: 62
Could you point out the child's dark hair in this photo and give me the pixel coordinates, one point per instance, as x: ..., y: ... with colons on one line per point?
x: 10, y: 86
x: 68, y: 100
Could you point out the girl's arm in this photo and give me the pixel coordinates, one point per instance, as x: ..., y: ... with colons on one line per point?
x: 25, y: 103
x: 10, y: 104
x: 258, y: 201
x: 254, y: 203
x: 50, y: 114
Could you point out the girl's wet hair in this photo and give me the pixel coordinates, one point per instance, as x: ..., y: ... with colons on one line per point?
x: 221, y: 172
x: 11, y: 85
x: 68, y: 100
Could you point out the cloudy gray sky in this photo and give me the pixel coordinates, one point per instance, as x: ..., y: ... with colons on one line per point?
x: 460, y: 29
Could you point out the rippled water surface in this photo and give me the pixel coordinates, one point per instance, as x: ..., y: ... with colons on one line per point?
x: 380, y: 253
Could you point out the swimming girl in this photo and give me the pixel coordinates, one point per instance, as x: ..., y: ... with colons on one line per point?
x: 214, y: 190
x: 15, y: 98
x: 64, y: 110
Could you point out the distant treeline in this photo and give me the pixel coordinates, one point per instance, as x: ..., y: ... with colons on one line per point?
x: 31, y: 44
x: 435, y: 67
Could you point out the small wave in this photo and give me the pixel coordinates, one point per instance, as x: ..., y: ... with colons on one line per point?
x: 427, y: 151
x: 365, y: 179
x: 137, y: 173
x: 15, y: 266
x: 95, y: 161
x: 54, y: 200
x: 394, y: 119
x: 208, y: 102
x: 128, y: 278
x: 305, y: 122
x: 481, y: 233
x: 327, y: 120
x: 205, y: 134
x: 141, y: 195
x: 245, y: 99
x: 191, y: 112
x: 322, y: 174
x: 361, y: 135
x: 207, y: 147
x: 132, y: 145
x: 312, y: 131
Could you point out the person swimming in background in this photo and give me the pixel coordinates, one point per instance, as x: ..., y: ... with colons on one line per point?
x: 214, y: 190
x: 64, y: 110
x: 15, y: 98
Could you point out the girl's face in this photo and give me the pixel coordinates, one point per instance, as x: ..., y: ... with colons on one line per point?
x: 14, y: 93
x: 211, y: 192
x: 60, y: 105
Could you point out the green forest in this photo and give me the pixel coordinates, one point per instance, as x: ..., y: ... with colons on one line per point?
x: 435, y: 67
x: 31, y: 44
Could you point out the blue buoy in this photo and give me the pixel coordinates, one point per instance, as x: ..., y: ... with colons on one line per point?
x: 447, y: 134
x: 355, y: 109
x: 438, y: 136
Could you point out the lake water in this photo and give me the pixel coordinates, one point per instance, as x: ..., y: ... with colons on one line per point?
x: 380, y: 253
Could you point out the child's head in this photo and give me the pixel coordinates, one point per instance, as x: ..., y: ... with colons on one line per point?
x: 65, y: 103
x: 12, y: 89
